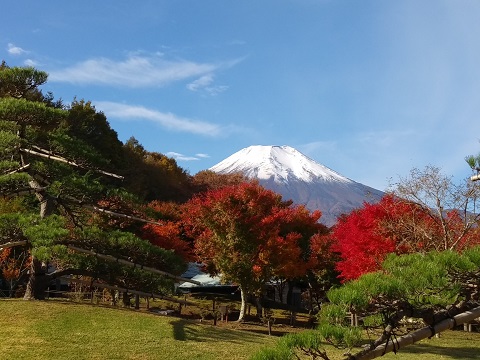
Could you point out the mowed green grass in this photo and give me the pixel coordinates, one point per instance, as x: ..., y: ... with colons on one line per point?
x: 66, y: 330
x: 58, y: 330
x: 458, y: 345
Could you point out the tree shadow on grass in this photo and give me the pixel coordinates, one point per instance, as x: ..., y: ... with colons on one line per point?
x: 457, y: 353
x: 179, y: 330
x: 184, y: 330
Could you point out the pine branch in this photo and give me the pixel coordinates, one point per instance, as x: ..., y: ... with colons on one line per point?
x: 418, y: 335
x: 20, y: 169
x: 132, y: 264
x: 48, y: 155
x: 109, y: 212
x: 71, y: 271
x: 475, y: 177
x: 24, y: 191
x: 130, y: 217
x: 13, y: 244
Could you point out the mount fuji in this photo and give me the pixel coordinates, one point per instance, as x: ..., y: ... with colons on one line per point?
x: 299, y: 178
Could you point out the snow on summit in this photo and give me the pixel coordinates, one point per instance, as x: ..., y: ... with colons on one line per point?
x: 278, y: 163
x: 299, y: 178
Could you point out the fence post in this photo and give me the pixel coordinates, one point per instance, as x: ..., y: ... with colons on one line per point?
x: 137, y: 301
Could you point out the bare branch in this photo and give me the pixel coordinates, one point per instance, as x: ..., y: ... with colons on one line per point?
x: 46, y: 154
x: 109, y: 212
x: 112, y: 213
x: 13, y: 244
x: 20, y: 169
x: 132, y: 264
x: 23, y: 191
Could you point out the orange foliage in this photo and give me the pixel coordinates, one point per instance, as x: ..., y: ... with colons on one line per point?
x: 169, y: 234
x: 13, y: 263
x: 250, y: 235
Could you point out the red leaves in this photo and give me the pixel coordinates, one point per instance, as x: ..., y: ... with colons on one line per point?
x: 362, y: 248
x: 169, y: 234
x: 367, y: 235
x: 250, y: 228
x: 13, y: 263
x: 364, y: 237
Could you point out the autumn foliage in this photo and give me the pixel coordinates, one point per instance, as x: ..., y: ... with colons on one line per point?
x: 364, y: 237
x: 359, y: 242
x: 169, y: 235
x: 249, y: 235
x: 14, y: 263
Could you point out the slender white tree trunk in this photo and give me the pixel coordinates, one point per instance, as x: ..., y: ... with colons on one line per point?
x: 243, y: 305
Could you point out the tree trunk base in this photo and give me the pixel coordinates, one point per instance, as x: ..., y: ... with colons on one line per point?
x: 37, y: 282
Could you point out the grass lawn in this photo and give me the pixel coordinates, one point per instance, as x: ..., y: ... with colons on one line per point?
x: 458, y: 345
x: 63, y: 330
x: 452, y: 345
x: 66, y: 330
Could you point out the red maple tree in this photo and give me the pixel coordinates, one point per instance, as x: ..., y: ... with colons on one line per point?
x: 14, y: 263
x: 365, y: 236
x: 169, y: 235
x: 249, y: 235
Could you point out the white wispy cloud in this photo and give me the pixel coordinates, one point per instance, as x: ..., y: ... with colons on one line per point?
x: 167, y: 120
x: 203, y: 156
x: 384, y: 138
x: 201, y: 82
x: 30, y: 62
x: 138, y: 70
x: 15, y: 50
x: 204, y: 83
x: 215, y: 90
x: 181, y: 157
x: 317, y: 146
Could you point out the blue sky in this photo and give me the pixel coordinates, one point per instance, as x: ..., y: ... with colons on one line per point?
x: 370, y: 89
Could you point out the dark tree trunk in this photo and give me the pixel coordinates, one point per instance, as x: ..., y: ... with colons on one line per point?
x: 37, y: 282
x: 258, y: 305
x: 281, y: 288
x: 290, y: 293
x: 113, y: 295
x: 126, y: 299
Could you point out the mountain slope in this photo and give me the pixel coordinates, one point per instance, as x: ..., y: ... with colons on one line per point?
x: 295, y: 176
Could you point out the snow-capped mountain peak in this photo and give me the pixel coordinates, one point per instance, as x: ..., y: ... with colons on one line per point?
x: 278, y: 163
x: 301, y: 179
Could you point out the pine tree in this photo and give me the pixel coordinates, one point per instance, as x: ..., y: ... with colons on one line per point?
x: 58, y: 164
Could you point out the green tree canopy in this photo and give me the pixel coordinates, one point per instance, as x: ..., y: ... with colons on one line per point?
x: 58, y: 165
x: 429, y: 292
x: 154, y: 176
